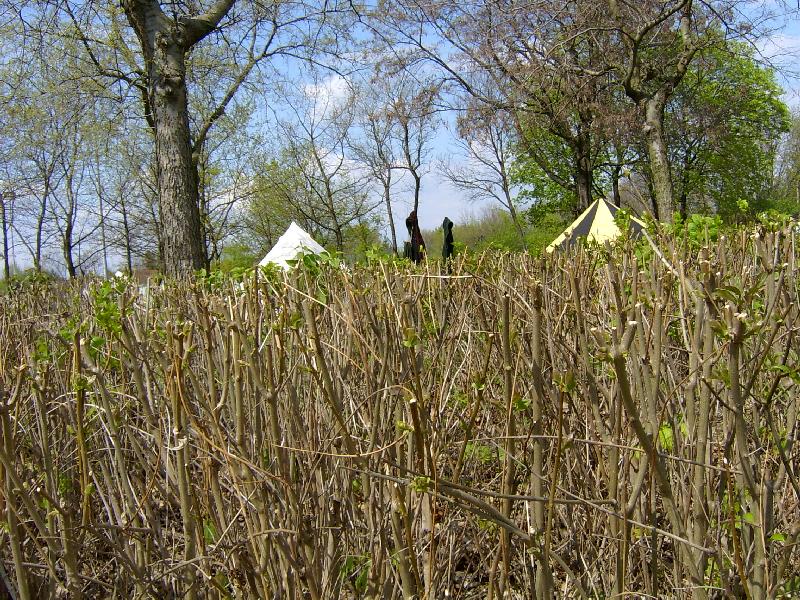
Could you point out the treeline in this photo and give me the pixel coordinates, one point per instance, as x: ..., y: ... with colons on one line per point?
x: 116, y: 152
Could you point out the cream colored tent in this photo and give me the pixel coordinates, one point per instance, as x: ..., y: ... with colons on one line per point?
x: 595, y: 223
x: 291, y: 245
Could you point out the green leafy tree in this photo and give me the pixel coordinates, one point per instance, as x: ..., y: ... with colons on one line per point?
x: 544, y: 176
x: 277, y: 190
x: 786, y: 187
x: 724, y: 124
x: 283, y: 191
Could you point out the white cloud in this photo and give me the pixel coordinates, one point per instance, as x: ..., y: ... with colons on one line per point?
x: 330, y: 91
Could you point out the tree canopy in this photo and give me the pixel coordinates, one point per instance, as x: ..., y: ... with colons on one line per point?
x: 160, y: 133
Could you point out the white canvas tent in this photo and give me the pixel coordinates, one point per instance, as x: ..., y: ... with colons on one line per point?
x: 293, y: 243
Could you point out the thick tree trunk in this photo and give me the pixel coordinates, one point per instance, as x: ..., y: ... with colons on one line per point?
x: 184, y: 251
x: 684, y: 205
x: 165, y: 42
x: 657, y: 153
x: 583, y: 187
x: 583, y: 170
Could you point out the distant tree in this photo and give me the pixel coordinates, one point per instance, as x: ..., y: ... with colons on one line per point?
x: 32, y: 167
x: 278, y: 189
x: 786, y: 188
x: 52, y: 128
x: 375, y: 143
x: 225, y: 173
x: 6, y: 216
x: 486, y: 139
x: 315, y: 146
x: 414, y: 112
x: 723, y: 125
x: 72, y: 221
x: 289, y: 190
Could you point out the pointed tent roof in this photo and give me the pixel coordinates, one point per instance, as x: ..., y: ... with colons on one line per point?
x: 596, y: 223
x: 294, y: 242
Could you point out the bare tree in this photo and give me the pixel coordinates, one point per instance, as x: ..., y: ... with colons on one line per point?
x: 224, y: 162
x: 414, y: 111
x: 486, y: 139
x: 529, y: 63
x: 316, y: 145
x: 375, y: 147
x: 37, y: 180
x: 64, y: 209
x: 148, y: 48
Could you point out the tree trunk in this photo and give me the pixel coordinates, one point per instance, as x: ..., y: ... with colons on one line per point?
x: 6, y: 259
x: 417, y: 186
x: 514, y: 216
x: 583, y: 175
x: 210, y: 241
x: 683, y: 202
x: 583, y: 187
x: 388, y: 199
x: 165, y: 42
x: 66, y: 245
x: 126, y: 234
x: 657, y: 152
x: 184, y: 251
x: 103, y: 237
x: 37, y: 254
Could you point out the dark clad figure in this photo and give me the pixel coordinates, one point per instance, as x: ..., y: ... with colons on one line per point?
x: 415, y: 250
x: 447, y: 247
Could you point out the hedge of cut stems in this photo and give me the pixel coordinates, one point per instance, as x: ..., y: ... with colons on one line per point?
x: 595, y: 424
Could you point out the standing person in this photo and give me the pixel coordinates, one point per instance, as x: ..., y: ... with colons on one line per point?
x: 447, y: 247
x: 417, y: 247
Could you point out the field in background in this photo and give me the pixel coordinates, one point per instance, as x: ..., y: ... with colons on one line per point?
x: 581, y: 426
